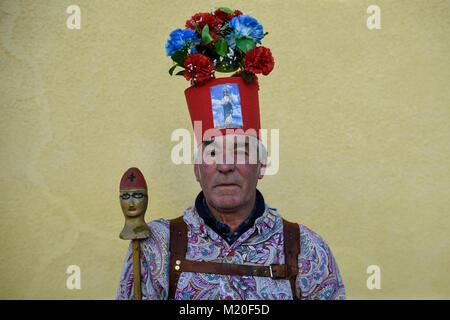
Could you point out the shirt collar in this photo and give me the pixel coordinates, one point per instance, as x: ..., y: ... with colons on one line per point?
x: 222, y: 229
x: 263, y: 222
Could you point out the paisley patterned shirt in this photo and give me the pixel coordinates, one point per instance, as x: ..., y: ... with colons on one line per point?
x: 262, y: 244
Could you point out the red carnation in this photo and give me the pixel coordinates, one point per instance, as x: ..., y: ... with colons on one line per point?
x: 223, y: 17
x: 259, y: 60
x: 199, y: 69
x: 215, y: 37
x: 199, y: 20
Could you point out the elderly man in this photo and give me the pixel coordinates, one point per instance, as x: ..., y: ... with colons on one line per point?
x: 231, y: 244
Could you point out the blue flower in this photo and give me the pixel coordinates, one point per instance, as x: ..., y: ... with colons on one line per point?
x: 179, y: 38
x: 244, y: 26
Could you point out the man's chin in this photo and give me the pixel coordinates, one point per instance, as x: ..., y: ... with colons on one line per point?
x: 226, y: 203
x: 229, y: 193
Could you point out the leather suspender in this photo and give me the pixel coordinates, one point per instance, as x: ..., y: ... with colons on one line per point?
x: 291, y: 251
x: 177, y: 248
x: 178, y: 263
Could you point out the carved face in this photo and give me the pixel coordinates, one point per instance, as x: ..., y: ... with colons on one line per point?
x: 133, y: 202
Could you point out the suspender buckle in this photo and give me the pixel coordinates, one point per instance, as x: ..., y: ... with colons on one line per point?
x: 276, y: 271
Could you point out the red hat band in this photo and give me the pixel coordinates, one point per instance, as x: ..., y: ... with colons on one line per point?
x: 223, y: 106
x: 133, y: 179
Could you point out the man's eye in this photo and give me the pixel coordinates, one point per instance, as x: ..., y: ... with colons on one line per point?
x: 125, y: 196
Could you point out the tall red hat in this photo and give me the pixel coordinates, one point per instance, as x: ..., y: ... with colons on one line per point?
x: 224, y: 105
x: 133, y: 179
x: 221, y: 105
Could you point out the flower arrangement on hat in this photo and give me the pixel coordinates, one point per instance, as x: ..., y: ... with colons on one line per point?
x: 224, y: 41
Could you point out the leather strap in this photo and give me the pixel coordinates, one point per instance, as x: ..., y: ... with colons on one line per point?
x: 274, y: 271
x: 178, y: 263
x: 291, y: 251
x: 177, y: 247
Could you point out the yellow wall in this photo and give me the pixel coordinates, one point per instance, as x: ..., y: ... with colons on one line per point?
x: 364, y: 136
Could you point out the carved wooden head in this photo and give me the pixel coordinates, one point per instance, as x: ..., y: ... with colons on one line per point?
x: 134, y: 200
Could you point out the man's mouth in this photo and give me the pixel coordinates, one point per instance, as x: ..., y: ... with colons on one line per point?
x: 132, y: 209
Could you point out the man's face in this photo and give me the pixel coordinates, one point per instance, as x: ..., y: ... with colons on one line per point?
x: 133, y: 202
x: 229, y: 173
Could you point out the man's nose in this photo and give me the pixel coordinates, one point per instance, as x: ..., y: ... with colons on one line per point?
x: 225, y: 161
x: 226, y: 167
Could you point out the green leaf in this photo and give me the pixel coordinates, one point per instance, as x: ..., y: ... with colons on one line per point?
x: 265, y: 34
x: 179, y: 57
x: 173, y: 68
x: 221, y: 46
x: 245, y: 44
x: 248, y: 77
x: 226, y: 10
x: 206, y: 37
x: 179, y: 73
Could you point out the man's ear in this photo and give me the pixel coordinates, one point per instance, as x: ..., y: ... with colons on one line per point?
x: 262, y: 170
x: 262, y: 166
x: 197, y: 172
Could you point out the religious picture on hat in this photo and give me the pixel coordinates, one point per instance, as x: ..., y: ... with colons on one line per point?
x: 226, y: 106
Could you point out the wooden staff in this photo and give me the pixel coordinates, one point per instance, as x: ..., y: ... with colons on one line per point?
x: 134, y: 200
x: 137, y: 269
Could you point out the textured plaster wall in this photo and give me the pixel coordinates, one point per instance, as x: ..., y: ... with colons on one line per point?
x: 364, y: 136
